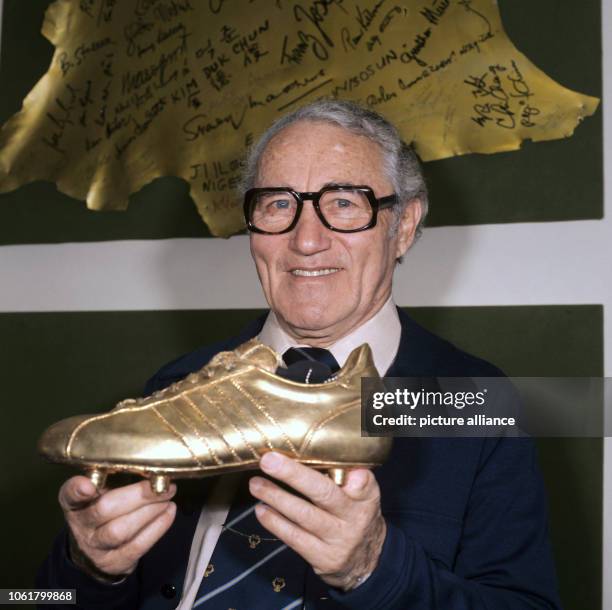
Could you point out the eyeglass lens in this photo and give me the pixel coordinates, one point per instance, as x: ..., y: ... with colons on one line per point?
x: 274, y: 211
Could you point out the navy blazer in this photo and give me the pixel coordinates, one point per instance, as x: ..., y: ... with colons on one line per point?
x: 467, y: 518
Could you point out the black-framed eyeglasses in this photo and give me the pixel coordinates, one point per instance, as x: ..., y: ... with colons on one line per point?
x: 342, y: 208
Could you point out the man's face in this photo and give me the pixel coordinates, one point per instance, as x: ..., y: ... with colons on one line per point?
x: 322, y: 284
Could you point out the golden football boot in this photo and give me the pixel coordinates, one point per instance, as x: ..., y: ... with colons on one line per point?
x: 222, y: 419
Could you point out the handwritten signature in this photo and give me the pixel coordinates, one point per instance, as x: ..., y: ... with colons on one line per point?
x: 61, y: 118
x: 503, y: 98
x: 200, y: 124
x: 316, y: 13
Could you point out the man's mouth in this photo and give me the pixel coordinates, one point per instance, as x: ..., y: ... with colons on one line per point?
x: 314, y: 272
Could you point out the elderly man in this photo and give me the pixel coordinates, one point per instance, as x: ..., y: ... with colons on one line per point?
x: 443, y: 523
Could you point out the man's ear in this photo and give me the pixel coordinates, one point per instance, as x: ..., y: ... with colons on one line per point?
x: 407, y: 227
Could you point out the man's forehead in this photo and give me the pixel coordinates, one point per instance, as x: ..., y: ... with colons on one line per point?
x: 333, y: 135
x: 322, y: 146
x: 307, y: 155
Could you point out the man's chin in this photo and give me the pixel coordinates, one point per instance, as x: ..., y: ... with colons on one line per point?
x: 315, y: 322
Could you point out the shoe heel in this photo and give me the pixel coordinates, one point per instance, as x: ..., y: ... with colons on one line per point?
x: 98, y: 478
x: 337, y: 475
x: 160, y: 483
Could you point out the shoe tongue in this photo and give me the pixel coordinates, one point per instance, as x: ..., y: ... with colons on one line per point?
x: 260, y: 355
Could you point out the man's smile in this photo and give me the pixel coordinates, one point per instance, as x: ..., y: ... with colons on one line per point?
x: 302, y: 272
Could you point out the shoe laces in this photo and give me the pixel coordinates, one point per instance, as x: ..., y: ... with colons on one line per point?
x: 223, y: 361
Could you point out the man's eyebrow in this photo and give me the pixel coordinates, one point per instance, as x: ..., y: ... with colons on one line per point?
x: 339, y: 183
x: 333, y: 183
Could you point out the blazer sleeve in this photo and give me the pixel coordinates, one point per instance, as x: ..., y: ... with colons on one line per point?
x: 58, y: 572
x: 503, y: 561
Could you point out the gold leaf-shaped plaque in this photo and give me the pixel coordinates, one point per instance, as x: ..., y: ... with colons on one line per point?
x: 139, y: 89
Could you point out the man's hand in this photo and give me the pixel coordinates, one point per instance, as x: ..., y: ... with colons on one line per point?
x: 339, y: 531
x: 112, y: 530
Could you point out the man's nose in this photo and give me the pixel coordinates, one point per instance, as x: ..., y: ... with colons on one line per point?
x: 310, y: 236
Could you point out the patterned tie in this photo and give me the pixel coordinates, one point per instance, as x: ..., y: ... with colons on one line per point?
x: 249, y: 567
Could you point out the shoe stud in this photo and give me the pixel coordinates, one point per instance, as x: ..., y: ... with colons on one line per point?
x: 160, y: 483
x: 98, y: 478
x: 337, y: 475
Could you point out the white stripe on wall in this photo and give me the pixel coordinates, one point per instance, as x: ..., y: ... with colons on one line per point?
x: 513, y: 264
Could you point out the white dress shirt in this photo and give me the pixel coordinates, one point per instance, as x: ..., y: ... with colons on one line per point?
x: 382, y: 331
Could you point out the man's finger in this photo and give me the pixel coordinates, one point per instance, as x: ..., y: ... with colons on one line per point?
x: 304, y: 544
x: 318, y: 488
x: 361, y: 485
x: 122, y: 501
x: 149, y: 535
x: 302, y: 512
x: 76, y: 493
x: 123, y: 529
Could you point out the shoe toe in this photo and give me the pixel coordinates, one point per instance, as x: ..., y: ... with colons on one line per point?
x: 124, y: 439
x: 53, y: 444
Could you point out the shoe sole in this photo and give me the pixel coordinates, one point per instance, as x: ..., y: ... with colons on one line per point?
x: 160, y: 477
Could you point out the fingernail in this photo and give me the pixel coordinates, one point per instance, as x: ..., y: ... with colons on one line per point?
x: 254, y: 484
x: 260, y: 509
x: 358, y: 480
x: 271, y: 462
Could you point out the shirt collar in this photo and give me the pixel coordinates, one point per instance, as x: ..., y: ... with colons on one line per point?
x: 382, y: 332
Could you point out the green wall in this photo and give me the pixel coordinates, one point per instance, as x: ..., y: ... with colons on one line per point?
x: 53, y: 365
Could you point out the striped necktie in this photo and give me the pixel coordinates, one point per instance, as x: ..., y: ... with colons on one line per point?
x: 250, y: 569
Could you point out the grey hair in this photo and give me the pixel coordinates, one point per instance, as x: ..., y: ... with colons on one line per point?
x: 401, y: 164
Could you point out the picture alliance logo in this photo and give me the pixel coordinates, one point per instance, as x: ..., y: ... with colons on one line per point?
x: 403, y: 397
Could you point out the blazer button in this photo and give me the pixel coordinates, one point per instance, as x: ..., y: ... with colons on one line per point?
x: 168, y: 591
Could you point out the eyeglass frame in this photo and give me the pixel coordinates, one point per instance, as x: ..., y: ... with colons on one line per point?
x: 376, y: 204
